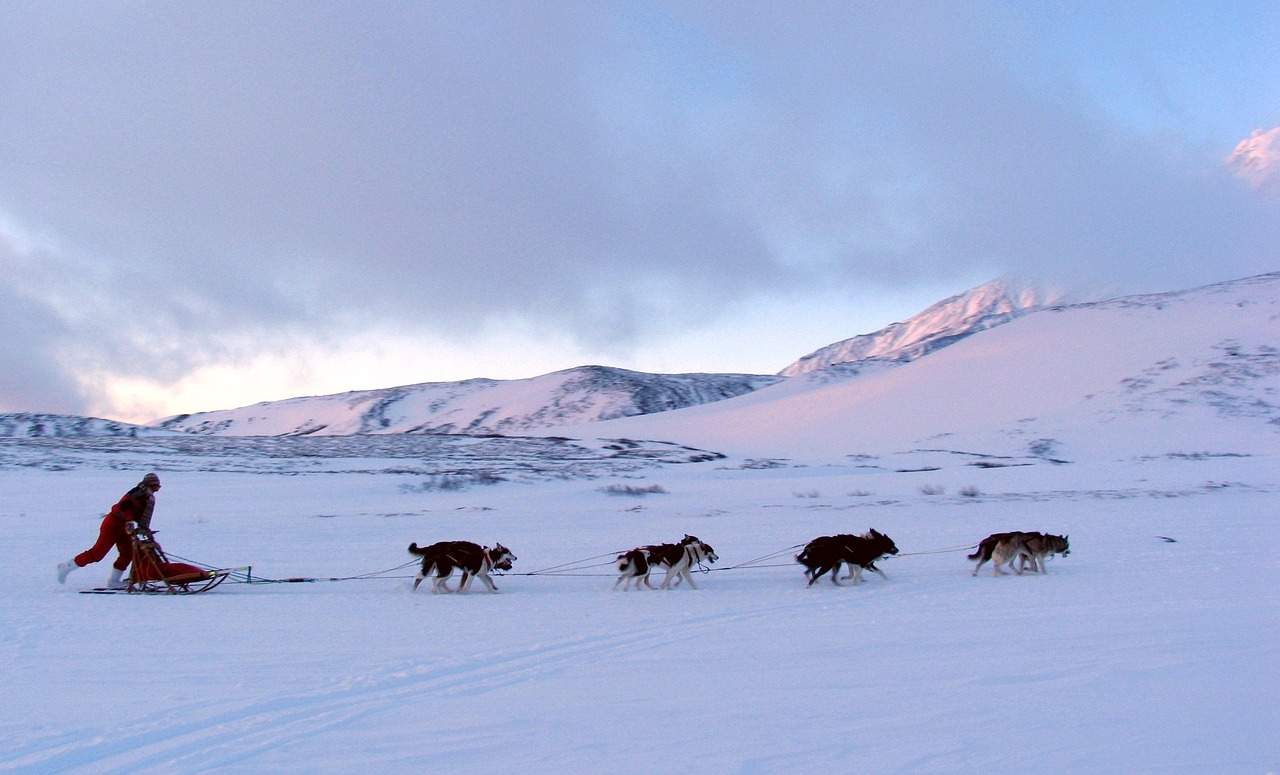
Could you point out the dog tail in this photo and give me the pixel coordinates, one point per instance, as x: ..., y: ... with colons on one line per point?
x: 414, y: 549
x: 973, y: 556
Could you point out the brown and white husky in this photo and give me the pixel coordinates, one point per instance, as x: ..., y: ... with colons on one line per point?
x: 677, y: 559
x: 475, y: 561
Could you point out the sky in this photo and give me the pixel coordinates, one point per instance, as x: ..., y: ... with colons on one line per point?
x: 204, y: 205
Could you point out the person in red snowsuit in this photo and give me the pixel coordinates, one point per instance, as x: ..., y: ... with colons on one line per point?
x: 130, y: 512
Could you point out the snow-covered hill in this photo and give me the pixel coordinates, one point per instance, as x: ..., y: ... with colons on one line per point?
x: 1181, y: 370
x: 477, y: 406
x: 944, y: 323
x: 595, y: 393
x: 29, y: 425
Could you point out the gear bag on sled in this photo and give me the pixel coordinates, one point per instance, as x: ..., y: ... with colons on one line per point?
x: 152, y: 572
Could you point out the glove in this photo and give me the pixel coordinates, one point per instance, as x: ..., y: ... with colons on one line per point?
x: 130, y: 527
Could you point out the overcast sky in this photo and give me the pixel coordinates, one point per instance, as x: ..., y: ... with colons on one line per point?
x: 208, y: 204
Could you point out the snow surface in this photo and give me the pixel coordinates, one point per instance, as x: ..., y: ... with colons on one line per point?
x: 1153, y: 647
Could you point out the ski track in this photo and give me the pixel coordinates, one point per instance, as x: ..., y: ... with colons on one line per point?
x: 229, y: 737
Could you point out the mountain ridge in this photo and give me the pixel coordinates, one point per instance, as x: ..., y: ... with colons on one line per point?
x: 577, y: 397
x: 980, y: 308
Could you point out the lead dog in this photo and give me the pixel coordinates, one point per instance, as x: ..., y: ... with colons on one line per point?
x: 1028, y: 547
x: 677, y: 559
x: 827, y: 553
x: 987, y: 548
x: 475, y: 561
x: 1033, y: 548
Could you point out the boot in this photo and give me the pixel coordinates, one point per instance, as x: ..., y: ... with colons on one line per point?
x: 65, y: 568
x: 114, y: 582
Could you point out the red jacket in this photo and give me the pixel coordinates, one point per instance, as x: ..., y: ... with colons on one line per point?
x: 135, y: 506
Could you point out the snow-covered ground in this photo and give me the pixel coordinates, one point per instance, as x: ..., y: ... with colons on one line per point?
x: 1133, y: 654
x: 1148, y: 430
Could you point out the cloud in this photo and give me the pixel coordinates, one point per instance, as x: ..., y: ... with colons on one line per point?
x: 33, y: 374
x: 1257, y: 159
x: 219, y: 180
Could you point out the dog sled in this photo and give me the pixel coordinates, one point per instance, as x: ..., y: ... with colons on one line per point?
x: 153, y: 573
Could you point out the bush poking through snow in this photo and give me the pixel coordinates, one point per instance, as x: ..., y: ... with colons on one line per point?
x: 634, y: 491
x: 453, y: 482
x: 932, y: 489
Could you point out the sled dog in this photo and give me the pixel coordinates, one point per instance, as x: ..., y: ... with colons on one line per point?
x: 633, y: 565
x: 1029, y: 548
x: 986, y: 550
x: 825, y: 554
x: 676, y: 559
x: 475, y: 561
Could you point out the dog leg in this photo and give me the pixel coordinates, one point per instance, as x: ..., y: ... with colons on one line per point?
x: 689, y: 578
x: 673, y: 575
x: 417, y: 580
x: 834, y: 570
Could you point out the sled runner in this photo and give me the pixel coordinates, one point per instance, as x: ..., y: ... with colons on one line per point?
x: 154, y: 573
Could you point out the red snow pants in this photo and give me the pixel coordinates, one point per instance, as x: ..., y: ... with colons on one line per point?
x: 112, y: 533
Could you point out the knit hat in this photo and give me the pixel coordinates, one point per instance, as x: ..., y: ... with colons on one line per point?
x: 151, y: 480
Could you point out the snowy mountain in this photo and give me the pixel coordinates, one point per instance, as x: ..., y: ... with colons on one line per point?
x: 34, y: 426
x: 1196, y: 371
x: 942, y: 324
x: 596, y: 393
x: 477, y: 406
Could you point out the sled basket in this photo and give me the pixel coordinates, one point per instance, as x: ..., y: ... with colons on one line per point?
x: 153, y: 573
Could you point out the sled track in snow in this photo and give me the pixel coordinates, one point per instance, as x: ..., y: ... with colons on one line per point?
x: 195, y: 738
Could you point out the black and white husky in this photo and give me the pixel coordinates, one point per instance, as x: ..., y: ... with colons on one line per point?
x: 475, y: 561
x: 632, y: 566
x: 677, y: 559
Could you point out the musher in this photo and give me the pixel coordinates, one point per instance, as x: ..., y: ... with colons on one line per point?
x: 131, y: 512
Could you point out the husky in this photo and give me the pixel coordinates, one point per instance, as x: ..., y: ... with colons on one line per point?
x: 677, y: 559
x: 1032, y: 548
x: 633, y: 565
x: 1026, y: 547
x: 986, y: 550
x: 827, y: 553
x: 475, y: 561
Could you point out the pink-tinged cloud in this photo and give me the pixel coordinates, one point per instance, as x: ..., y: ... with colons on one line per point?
x: 1258, y: 158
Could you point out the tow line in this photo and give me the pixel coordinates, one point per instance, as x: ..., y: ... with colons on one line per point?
x: 566, y: 569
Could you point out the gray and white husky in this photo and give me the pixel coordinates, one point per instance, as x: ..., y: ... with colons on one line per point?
x: 1026, y: 548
